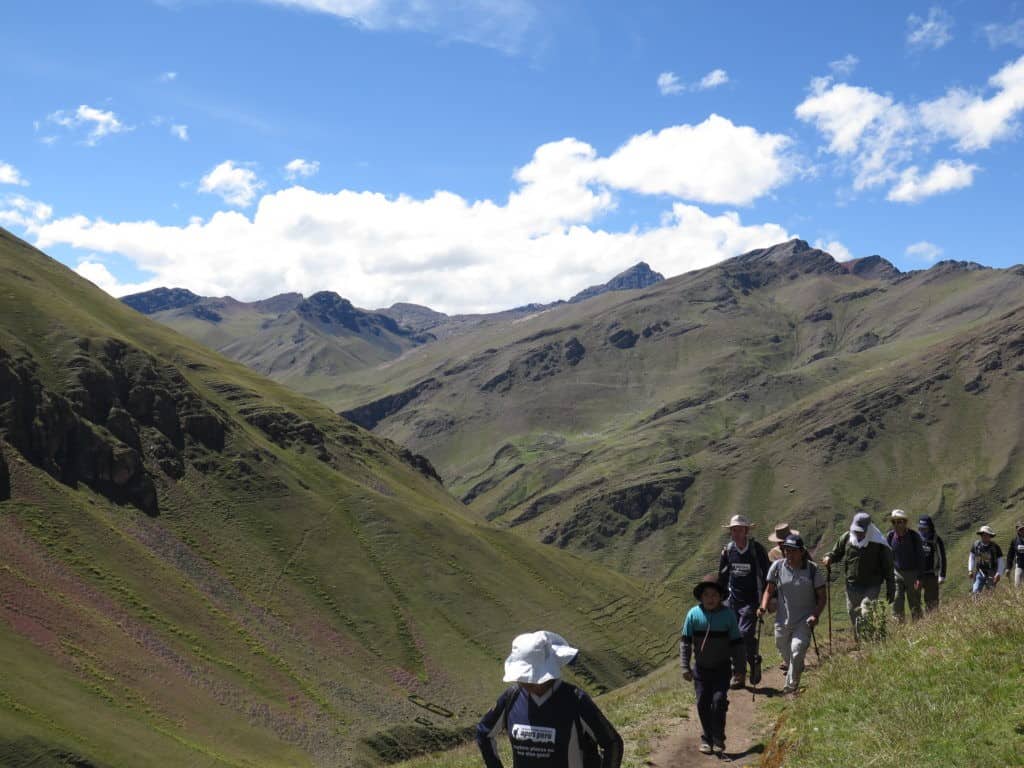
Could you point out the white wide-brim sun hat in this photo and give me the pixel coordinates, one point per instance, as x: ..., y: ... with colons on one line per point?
x: 538, y: 657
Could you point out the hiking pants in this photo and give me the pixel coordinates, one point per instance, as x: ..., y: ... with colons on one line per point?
x: 855, y: 594
x: 905, y: 588
x: 792, y: 640
x: 711, y: 685
x: 746, y: 617
x: 981, y: 581
x: 930, y: 588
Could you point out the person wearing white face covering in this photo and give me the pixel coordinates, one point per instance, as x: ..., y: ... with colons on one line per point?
x: 868, y: 562
x: 550, y: 723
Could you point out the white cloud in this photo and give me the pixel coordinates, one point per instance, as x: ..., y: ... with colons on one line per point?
x: 299, y: 167
x: 501, y: 25
x: 944, y: 177
x: 180, y: 132
x: 712, y: 162
x: 713, y: 79
x: 20, y: 211
x: 1005, y: 34
x: 844, y: 67
x: 168, y: 77
x: 974, y: 121
x: 933, y: 32
x: 669, y: 85
x: 873, y: 131
x: 100, y: 122
x: 445, y: 251
x: 10, y: 175
x: 839, y: 251
x: 236, y: 184
x: 924, y: 250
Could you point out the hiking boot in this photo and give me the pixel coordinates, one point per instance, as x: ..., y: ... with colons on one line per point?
x: 719, y: 746
x: 789, y: 688
x: 705, y: 748
x: 737, y: 682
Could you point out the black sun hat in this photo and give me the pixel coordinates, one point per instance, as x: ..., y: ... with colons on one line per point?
x: 711, y: 580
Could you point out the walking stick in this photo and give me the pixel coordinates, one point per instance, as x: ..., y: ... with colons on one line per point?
x: 755, y: 669
x: 828, y: 603
x: 814, y: 639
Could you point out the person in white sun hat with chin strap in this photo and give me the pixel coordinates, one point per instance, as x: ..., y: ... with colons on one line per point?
x: 550, y: 723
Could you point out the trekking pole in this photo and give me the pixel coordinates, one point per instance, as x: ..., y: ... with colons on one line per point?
x: 755, y: 670
x: 814, y: 639
x: 828, y: 603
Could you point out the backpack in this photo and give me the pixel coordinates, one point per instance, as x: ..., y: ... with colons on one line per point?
x: 588, y: 746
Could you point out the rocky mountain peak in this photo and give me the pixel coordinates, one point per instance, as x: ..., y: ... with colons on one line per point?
x: 874, y: 267
x: 159, y: 299
x: 640, y: 275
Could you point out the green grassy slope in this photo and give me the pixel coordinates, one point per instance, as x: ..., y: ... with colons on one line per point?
x: 776, y: 384
x: 275, y: 587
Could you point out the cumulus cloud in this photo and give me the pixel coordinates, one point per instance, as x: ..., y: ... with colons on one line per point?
x: 301, y: 168
x: 20, y: 211
x: 844, y: 67
x: 180, y: 132
x: 499, y: 25
x: 11, y: 175
x: 871, y: 130
x: 713, y: 79
x: 1005, y: 34
x: 932, y: 32
x: 712, y: 162
x: 945, y: 176
x: 924, y: 251
x: 973, y: 120
x: 235, y: 184
x: 839, y: 251
x: 455, y: 254
x: 669, y: 85
x: 99, y: 122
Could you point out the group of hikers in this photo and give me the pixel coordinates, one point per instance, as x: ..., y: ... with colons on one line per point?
x: 553, y: 724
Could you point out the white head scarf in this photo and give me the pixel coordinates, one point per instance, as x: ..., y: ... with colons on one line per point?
x: 871, y: 532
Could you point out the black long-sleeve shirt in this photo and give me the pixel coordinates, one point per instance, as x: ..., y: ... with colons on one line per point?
x: 907, y: 553
x: 1016, y: 553
x: 548, y: 731
x: 934, y: 555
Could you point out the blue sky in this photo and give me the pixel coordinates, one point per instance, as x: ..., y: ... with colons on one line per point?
x: 507, y: 152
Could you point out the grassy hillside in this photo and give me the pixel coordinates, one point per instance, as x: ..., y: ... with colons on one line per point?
x: 943, y: 692
x: 201, y: 567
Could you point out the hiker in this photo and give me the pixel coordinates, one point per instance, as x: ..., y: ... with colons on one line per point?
x: 776, y: 537
x: 908, y: 563
x: 868, y: 563
x: 1015, y: 560
x: 711, y: 637
x: 985, y: 563
x: 741, y: 571
x: 550, y: 723
x: 800, y: 586
x: 934, y: 571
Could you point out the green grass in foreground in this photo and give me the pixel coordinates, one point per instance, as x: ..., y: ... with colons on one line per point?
x: 642, y: 712
x: 943, y: 692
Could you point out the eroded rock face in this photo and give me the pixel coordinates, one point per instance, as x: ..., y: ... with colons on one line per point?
x: 287, y: 429
x: 118, y: 410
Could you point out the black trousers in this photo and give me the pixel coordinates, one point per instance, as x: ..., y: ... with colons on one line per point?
x: 746, y: 617
x: 712, y: 689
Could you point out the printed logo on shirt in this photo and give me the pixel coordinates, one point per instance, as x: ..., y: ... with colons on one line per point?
x: 927, y: 549
x: 536, y: 733
x: 1020, y: 549
x: 741, y: 569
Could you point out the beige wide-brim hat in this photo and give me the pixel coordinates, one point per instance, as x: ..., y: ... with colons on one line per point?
x: 538, y: 657
x: 782, y: 530
x: 898, y: 514
x: 736, y: 520
x: 987, y: 529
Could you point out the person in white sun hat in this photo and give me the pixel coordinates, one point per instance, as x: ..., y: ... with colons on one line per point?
x: 742, y: 569
x: 908, y: 563
x: 985, y: 564
x: 550, y: 723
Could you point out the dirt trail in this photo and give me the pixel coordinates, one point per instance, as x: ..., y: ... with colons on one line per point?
x: 745, y: 730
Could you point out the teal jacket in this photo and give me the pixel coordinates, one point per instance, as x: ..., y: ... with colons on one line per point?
x: 711, y: 639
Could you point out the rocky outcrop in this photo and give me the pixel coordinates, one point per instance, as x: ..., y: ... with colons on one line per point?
x: 642, y: 508
x: 5, y: 477
x: 420, y: 463
x: 624, y: 339
x: 758, y: 268
x: 536, y: 365
x: 160, y: 299
x: 370, y: 415
x: 414, y: 316
x: 285, y: 428
x: 326, y: 308
x: 871, y: 268
x: 640, y: 275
